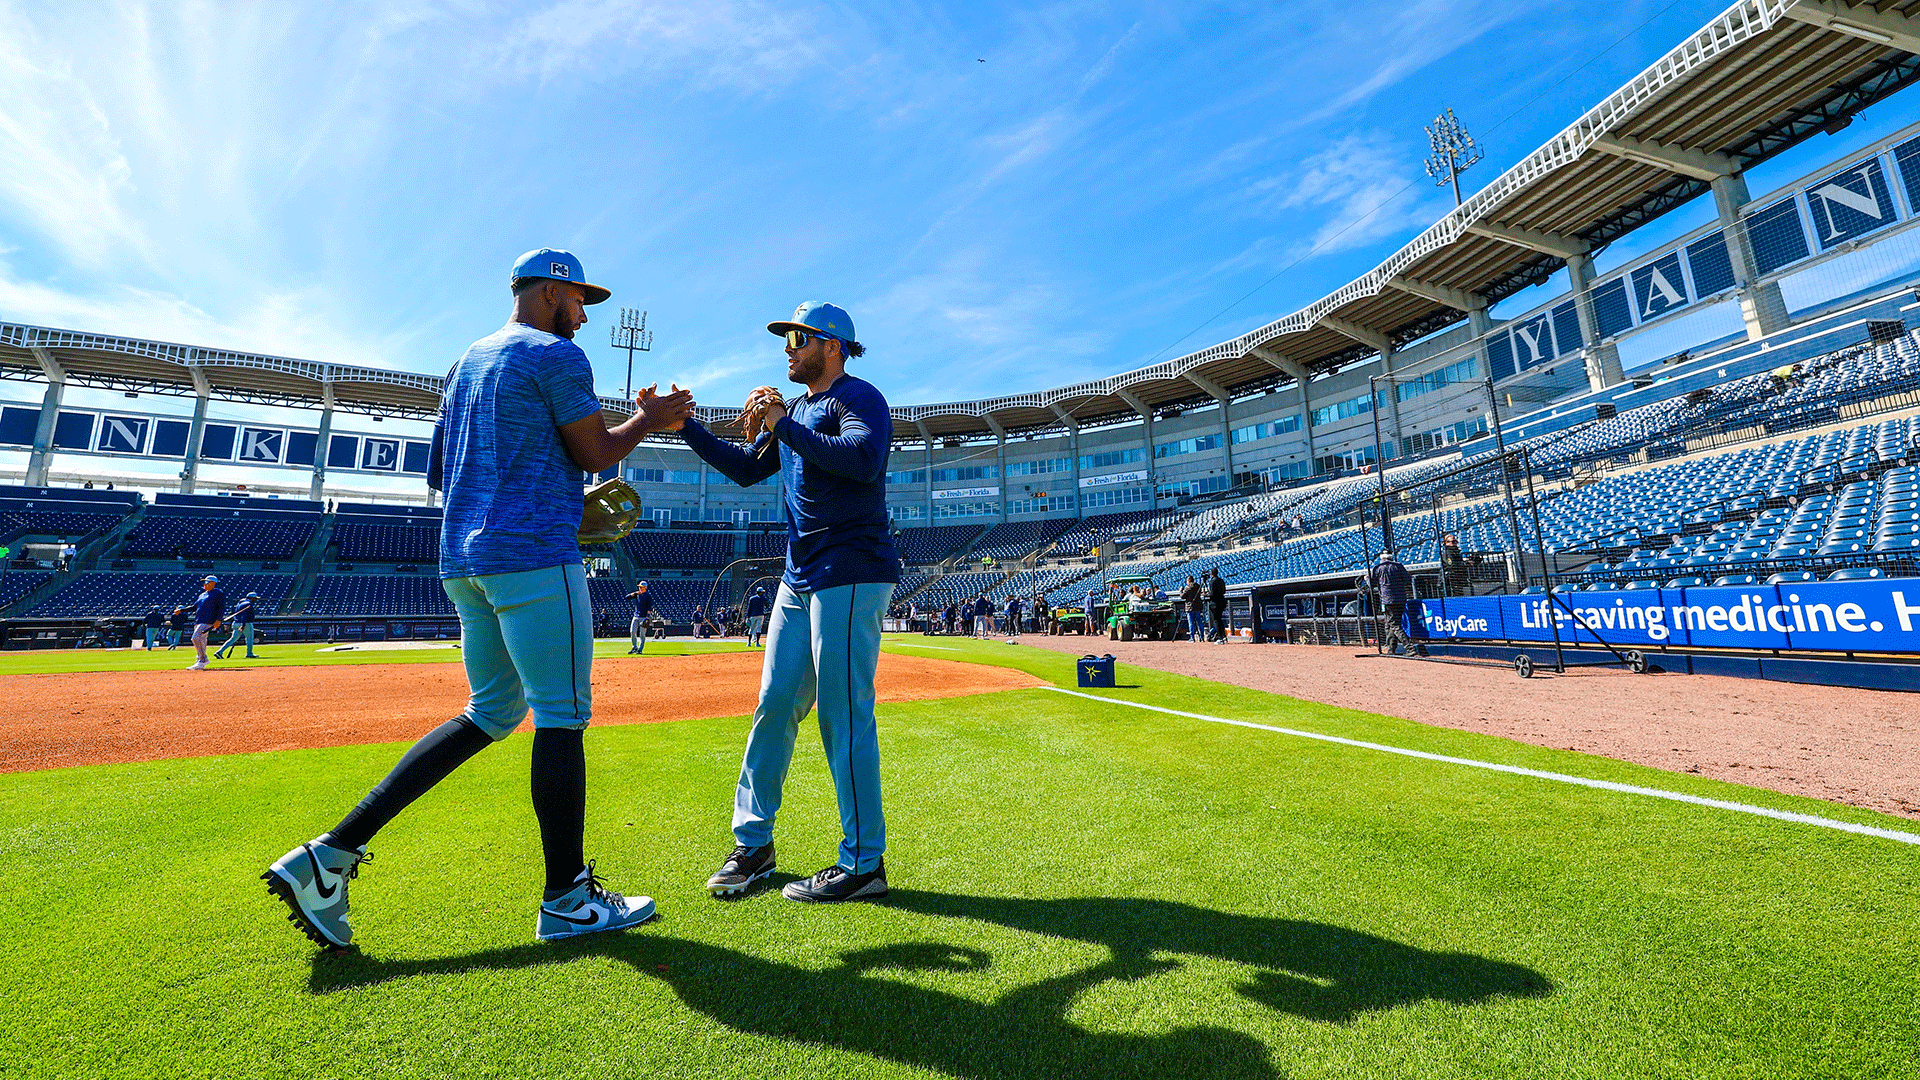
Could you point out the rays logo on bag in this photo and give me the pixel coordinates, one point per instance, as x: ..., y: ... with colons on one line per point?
x: 560, y: 270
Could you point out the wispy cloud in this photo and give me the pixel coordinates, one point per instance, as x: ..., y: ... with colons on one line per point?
x: 65, y: 171
x: 1360, y: 190
x: 736, y: 45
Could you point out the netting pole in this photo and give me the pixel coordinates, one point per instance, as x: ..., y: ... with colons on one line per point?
x: 1506, y: 479
x: 1381, y: 455
x: 1540, y: 552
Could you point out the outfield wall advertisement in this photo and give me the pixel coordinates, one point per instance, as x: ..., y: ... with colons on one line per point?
x: 1838, y: 616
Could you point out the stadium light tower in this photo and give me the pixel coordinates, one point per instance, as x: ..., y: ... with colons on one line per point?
x: 1454, y: 151
x: 632, y: 335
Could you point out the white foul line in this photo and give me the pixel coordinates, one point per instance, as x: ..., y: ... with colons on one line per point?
x: 1582, y: 781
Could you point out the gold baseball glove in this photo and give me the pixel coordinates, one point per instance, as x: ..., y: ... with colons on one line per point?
x: 611, y: 510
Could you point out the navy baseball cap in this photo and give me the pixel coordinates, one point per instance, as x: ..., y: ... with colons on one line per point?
x: 560, y: 266
x: 821, y: 318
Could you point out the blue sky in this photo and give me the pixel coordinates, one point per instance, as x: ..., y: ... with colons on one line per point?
x: 352, y: 182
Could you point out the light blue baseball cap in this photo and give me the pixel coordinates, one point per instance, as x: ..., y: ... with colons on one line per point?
x: 819, y: 317
x: 560, y: 266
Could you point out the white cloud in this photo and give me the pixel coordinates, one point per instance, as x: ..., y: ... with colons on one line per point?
x: 999, y: 328
x: 738, y: 45
x: 65, y: 172
x: 1360, y: 190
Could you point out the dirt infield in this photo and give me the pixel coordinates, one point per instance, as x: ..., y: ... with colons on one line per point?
x: 1860, y: 747
x: 93, y: 718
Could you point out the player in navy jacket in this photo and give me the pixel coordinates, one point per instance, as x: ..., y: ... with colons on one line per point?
x: 830, y: 446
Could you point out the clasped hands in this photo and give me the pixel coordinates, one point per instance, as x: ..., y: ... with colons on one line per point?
x: 663, y: 412
x: 669, y: 412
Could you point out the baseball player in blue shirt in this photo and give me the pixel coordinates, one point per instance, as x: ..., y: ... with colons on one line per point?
x: 830, y: 446
x: 155, y: 623
x: 208, y: 611
x: 243, y: 613
x: 519, y: 422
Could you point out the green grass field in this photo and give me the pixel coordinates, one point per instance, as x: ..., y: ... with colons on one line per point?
x: 62, y: 661
x: 1080, y: 889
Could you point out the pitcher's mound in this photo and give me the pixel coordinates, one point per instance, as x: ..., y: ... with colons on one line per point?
x: 110, y: 716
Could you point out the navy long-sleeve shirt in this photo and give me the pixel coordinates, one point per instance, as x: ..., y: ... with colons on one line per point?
x: 210, y: 606
x: 833, y: 459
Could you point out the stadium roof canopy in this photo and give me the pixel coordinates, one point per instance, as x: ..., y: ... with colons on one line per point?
x: 1761, y: 77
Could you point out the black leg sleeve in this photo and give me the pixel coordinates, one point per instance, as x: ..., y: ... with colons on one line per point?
x: 560, y: 802
x: 427, y: 763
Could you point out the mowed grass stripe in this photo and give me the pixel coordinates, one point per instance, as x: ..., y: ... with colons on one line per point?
x: 1080, y: 890
x: 1538, y: 774
x: 1181, y: 692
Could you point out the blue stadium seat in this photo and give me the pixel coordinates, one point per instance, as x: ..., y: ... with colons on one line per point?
x: 1857, y: 573
x: 1731, y: 579
x: 1792, y: 577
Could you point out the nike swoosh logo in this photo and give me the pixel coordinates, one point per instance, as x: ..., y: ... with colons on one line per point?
x: 588, y: 921
x: 319, y: 875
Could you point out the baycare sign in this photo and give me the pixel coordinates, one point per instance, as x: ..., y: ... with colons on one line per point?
x: 1838, y: 616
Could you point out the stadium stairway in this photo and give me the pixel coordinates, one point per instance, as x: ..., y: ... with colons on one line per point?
x: 308, y: 567
x: 87, y: 557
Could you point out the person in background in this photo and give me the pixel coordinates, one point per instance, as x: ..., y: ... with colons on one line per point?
x: 243, y: 614
x: 1395, y: 586
x: 1092, y: 606
x: 177, y: 626
x: 983, y: 616
x: 67, y: 554
x: 966, y: 617
x: 756, y: 616
x: 1013, y: 616
x: 637, y: 626
x: 699, y: 622
x: 1453, y: 567
x: 155, y: 624
x: 6, y: 556
x: 1190, y: 608
x: 1217, y: 605
x: 951, y: 617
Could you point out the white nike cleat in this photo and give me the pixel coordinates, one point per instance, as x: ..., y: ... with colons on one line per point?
x: 588, y: 909
x: 199, y: 665
x: 312, y: 881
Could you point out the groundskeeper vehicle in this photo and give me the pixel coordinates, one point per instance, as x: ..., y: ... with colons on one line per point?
x: 1131, y: 616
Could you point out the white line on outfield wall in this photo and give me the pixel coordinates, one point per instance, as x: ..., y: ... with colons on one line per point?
x: 1582, y: 781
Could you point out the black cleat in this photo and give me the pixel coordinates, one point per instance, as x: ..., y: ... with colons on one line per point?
x: 834, y: 885
x: 744, y: 867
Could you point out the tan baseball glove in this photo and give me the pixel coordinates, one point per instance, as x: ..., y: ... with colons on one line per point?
x: 754, y: 413
x: 610, y: 512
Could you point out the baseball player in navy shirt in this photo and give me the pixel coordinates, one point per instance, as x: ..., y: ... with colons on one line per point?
x: 519, y: 423
x: 756, y: 616
x: 637, y: 628
x: 243, y: 613
x: 823, y: 638
x: 208, y: 612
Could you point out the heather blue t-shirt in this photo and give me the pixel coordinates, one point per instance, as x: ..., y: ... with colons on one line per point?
x: 211, y: 604
x: 513, y: 495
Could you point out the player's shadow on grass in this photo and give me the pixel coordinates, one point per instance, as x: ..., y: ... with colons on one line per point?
x: 1310, y: 970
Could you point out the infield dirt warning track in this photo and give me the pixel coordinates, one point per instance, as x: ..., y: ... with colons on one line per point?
x: 114, y: 716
